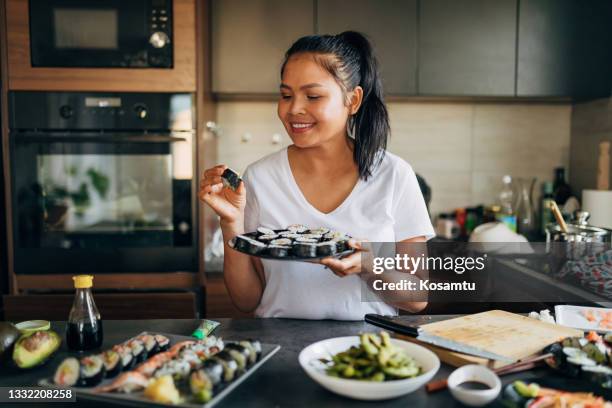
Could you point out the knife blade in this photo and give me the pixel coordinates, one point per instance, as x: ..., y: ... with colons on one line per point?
x: 390, y: 323
x: 460, y: 347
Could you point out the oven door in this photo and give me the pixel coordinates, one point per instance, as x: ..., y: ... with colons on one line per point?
x: 103, y: 203
x: 100, y: 33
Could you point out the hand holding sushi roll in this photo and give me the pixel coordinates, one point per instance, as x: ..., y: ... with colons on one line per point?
x: 227, y: 202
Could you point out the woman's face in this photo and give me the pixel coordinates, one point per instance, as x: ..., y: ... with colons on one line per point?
x: 311, y: 105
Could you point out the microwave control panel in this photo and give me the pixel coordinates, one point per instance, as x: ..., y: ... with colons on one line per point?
x: 160, y: 34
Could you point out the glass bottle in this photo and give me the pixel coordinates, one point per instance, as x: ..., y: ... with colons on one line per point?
x: 524, y: 209
x: 561, y: 190
x: 506, y: 213
x: 84, y: 328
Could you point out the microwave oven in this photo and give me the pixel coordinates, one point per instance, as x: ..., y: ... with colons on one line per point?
x: 101, y: 33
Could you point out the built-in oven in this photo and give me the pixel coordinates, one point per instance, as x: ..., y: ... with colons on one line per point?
x: 102, y: 183
x: 101, y: 33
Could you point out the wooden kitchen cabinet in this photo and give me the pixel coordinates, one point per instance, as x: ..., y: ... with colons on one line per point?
x: 564, y: 48
x: 391, y: 26
x: 467, y: 47
x: 249, y: 40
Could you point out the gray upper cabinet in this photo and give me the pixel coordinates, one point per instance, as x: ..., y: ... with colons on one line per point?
x: 467, y: 47
x: 544, y: 48
x: 391, y: 26
x: 565, y: 48
x: 249, y: 39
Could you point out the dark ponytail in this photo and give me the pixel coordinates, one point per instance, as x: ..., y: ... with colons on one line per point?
x: 349, y: 58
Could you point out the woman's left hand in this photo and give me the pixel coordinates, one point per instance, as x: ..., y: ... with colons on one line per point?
x: 349, y: 265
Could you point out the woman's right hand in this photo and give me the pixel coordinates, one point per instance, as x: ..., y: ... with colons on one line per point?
x: 227, y: 203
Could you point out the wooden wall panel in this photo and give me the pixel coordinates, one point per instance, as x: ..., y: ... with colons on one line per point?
x: 112, y: 306
x: 22, y: 76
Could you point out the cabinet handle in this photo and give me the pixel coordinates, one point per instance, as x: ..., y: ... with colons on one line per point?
x: 213, y: 128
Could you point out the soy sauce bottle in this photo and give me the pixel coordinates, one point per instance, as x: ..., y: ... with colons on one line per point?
x: 84, y: 329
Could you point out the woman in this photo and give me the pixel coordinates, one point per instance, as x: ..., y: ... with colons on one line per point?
x: 336, y: 174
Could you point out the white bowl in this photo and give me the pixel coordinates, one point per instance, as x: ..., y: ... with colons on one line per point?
x: 474, y: 372
x: 366, y: 390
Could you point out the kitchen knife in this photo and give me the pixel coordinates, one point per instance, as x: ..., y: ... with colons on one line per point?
x: 421, y: 335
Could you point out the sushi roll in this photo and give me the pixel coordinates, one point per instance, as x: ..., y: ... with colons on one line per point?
x: 163, y: 342
x: 342, y: 244
x: 267, y: 238
x: 138, y: 350
x: 150, y: 344
x: 281, y: 241
x: 112, y: 363
x: 319, y: 231
x: 91, y: 371
x: 231, y: 179
x: 316, y: 237
x: 214, y: 370
x: 201, y: 386
x: 239, y: 359
x: 279, y: 251
x: 326, y: 248
x: 249, y: 245
x: 243, y: 351
x: 290, y: 235
x: 127, y: 358
x: 252, y: 352
x: 256, y: 344
x: 229, y: 365
x: 297, y: 228
x: 306, y: 248
x: 265, y: 231
x: 67, y: 373
x: 242, y: 242
x: 332, y: 235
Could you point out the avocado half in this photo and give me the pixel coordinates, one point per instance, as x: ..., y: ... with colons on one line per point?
x: 8, y: 336
x: 35, y: 348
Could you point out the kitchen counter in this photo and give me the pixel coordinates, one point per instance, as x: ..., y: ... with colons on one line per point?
x: 280, y: 382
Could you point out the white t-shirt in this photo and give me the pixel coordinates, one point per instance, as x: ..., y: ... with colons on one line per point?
x: 388, y: 207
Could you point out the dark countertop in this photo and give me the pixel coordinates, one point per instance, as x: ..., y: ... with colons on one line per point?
x: 280, y: 382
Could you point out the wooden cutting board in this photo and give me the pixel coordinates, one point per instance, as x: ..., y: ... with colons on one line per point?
x: 500, y: 332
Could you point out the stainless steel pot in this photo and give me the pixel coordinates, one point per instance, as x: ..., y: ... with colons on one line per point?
x: 580, y: 240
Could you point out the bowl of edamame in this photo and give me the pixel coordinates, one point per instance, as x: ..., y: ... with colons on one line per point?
x: 369, y: 366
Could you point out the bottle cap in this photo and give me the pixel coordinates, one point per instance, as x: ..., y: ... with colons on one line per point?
x: 83, y: 281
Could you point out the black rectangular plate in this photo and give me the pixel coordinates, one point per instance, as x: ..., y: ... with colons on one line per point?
x: 290, y: 257
x: 136, y: 399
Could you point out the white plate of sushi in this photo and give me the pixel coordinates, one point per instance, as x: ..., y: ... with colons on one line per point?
x: 294, y: 243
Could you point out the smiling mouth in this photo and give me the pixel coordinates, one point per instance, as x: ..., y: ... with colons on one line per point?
x: 301, y: 127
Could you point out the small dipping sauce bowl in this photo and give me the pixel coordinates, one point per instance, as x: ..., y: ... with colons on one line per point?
x: 474, y: 385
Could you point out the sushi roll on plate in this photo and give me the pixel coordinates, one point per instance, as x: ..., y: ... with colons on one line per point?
x: 201, y: 386
x: 214, y: 370
x: 306, y: 248
x: 67, y: 373
x: 150, y: 344
x: 127, y: 358
x: 236, y: 349
x: 297, y: 228
x: 248, y: 245
x: 279, y: 251
x: 265, y: 231
x: 163, y: 342
x: 138, y: 350
x: 326, y: 248
x: 229, y: 365
x: 91, y: 371
x: 267, y: 237
x: 112, y: 363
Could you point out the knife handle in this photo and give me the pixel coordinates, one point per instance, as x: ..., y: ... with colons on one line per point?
x: 392, y: 323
